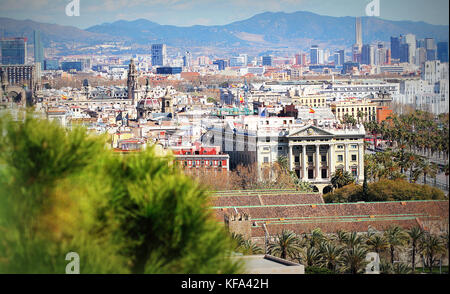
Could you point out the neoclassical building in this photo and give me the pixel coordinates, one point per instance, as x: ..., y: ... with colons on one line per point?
x: 314, y: 151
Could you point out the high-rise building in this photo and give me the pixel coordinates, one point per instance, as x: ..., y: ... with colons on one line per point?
x: 14, y: 50
x: 410, y: 39
x: 220, y: 64
x: 339, y: 58
x: 442, y: 51
x: 430, y: 45
x: 38, y: 49
x: 159, y: 55
x: 267, y: 61
x: 421, y: 56
x: 368, y: 54
x: 187, y: 59
x: 358, y: 32
x: 404, y: 52
x: 357, y: 47
x: 314, y: 54
x: 395, y: 49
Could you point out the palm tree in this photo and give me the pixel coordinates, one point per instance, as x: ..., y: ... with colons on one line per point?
x: 415, y: 234
x: 431, y: 246
x: 315, y: 238
x: 355, y: 258
x: 341, y: 236
x: 377, y: 243
x: 331, y: 255
x: 340, y: 179
x: 395, y: 237
x: 354, y: 239
x: 286, y: 245
x: 309, y: 256
x: 250, y: 248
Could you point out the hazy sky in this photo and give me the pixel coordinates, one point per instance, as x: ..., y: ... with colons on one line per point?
x: 213, y: 12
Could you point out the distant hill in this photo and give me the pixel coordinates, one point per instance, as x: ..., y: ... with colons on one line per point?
x: 49, y: 32
x: 265, y: 31
x: 273, y: 29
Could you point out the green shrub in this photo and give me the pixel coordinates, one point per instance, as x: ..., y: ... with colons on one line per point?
x: 62, y: 191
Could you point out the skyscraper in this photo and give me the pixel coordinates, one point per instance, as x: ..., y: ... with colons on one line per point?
x: 339, y: 58
x: 314, y: 54
x: 159, y: 56
x: 187, y: 59
x: 38, y: 49
x: 442, y: 51
x: 267, y: 61
x: 430, y: 45
x: 358, y: 31
x: 357, y: 47
x: 410, y: 39
x: 368, y: 54
x: 395, y: 48
x: 14, y: 50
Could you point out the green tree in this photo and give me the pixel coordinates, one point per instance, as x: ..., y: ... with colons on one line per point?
x: 431, y: 247
x: 62, y: 191
x: 354, y: 259
x: 395, y: 237
x: 286, y: 245
x: 340, y: 179
x: 415, y: 235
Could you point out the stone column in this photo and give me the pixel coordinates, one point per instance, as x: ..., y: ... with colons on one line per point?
x: 317, y: 167
x: 361, y: 162
x: 290, y: 158
x: 331, y: 160
x: 304, y: 170
x: 346, y: 157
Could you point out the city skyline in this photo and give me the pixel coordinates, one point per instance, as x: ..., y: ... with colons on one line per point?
x: 202, y: 12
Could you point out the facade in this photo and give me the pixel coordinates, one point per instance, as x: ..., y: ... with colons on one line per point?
x: 51, y: 64
x: 72, y: 65
x: 314, y: 152
x: 267, y: 61
x: 14, y: 50
x: 366, y: 109
x: 167, y: 70
x: 202, y: 158
x: 38, y: 49
x: 442, y: 51
x: 159, y: 55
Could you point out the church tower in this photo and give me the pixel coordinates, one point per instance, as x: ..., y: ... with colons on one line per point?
x: 132, y: 81
x: 167, y: 103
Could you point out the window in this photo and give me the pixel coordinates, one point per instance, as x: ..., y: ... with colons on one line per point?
x: 340, y: 147
x: 324, y: 158
x: 353, y: 157
x: 310, y: 174
x: 340, y: 158
x: 266, y: 159
x: 280, y: 148
x: 297, y: 158
x: 354, y: 172
x: 324, y: 173
x: 310, y: 159
x: 354, y: 146
x: 267, y: 139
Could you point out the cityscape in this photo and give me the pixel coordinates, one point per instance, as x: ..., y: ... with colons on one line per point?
x: 282, y: 143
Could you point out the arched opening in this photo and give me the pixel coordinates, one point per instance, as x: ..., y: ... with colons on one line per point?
x: 15, y: 97
x: 327, y: 189
x: 315, y: 189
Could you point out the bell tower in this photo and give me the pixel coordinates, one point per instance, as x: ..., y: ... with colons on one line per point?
x: 167, y: 103
x: 132, y: 81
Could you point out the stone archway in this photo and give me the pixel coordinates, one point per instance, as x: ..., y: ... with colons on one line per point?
x: 16, y: 95
x: 327, y: 189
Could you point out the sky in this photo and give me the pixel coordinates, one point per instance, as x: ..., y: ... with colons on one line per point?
x: 213, y: 12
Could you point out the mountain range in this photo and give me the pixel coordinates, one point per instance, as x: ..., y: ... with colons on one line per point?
x: 266, y: 30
